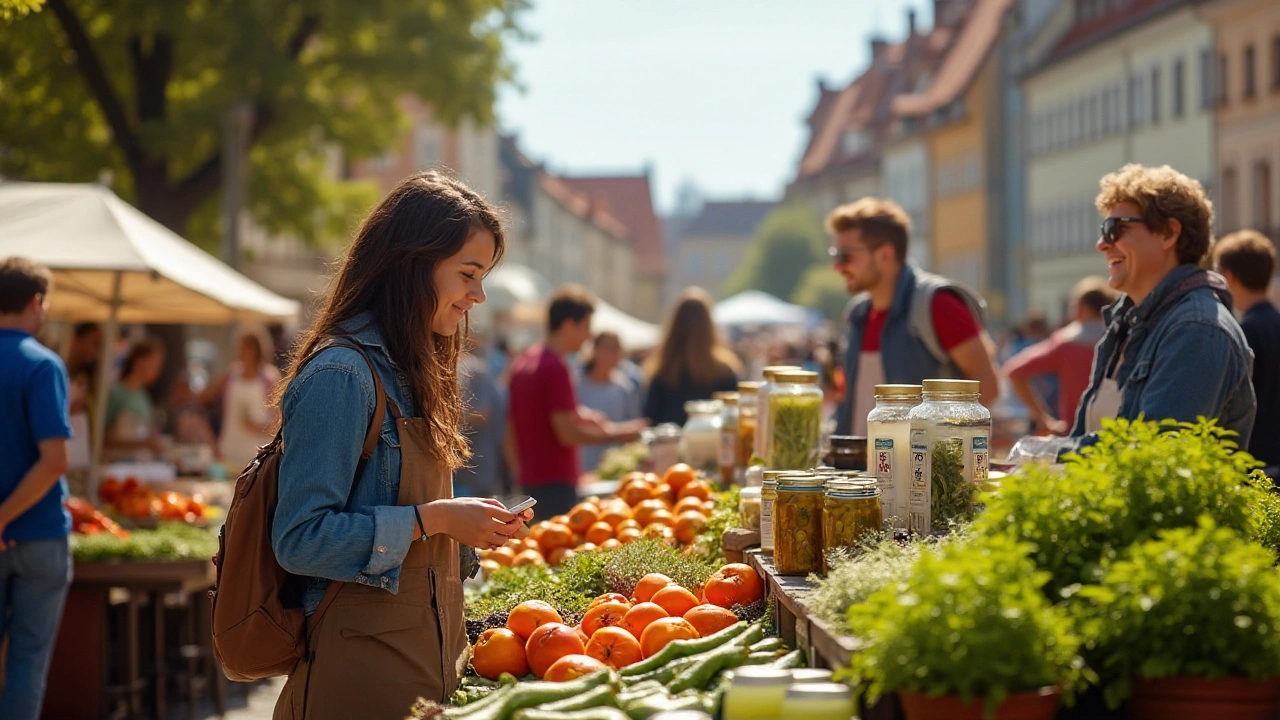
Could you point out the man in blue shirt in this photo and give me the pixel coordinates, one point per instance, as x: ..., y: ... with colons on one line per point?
x: 35, y: 558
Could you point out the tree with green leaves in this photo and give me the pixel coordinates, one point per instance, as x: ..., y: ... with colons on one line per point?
x: 140, y: 90
x: 10, y: 9
x: 787, y: 243
x: 823, y: 289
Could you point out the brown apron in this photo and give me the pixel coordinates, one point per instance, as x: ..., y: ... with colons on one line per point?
x: 372, y: 653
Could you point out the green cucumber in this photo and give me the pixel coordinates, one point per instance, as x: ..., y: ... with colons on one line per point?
x: 699, y: 676
x: 773, y: 643
x: 599, y: 696
x: 793, y: 659
x: 684, y: 648
x: 750, y: 636
x: 533, y: 694
x: 761, y: 658
x: 647, y: 707
x: 639, y: 690
x: 600, y: 713
x: 667, y: 673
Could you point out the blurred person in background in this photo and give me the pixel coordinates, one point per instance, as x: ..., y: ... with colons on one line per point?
x: 35, y: 557
x: 691, y: 362
x: 1066, y: 356
x: 546, y: 423
x: 1246, y: 260
x: 1172, y: 349
x: 131, y: 417
x: 82, y: 366
x: 186, y: 418
x: 904, y: 324
x: 607, y: 390
x: 245, y: 390
x: 485, y: 421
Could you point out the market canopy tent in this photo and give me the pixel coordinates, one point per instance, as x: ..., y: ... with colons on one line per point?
x: 754, y: 307
x: 112, y: 264
x: 107, y: 255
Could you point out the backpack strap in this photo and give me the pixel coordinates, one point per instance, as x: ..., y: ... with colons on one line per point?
x: 920, y: 319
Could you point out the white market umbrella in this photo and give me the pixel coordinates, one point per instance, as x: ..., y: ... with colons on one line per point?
x: 112, y: 264
x: 634, y: 333
x: 754, y: 307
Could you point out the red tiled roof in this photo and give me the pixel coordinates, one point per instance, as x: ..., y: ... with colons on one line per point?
x: 961, y: 64
x: 628, y: 198
x: 1120, y: 17
x: 583, y: 206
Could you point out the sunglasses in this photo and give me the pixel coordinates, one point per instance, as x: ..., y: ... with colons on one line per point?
x: 842, y: 256
x: 1111, y: 227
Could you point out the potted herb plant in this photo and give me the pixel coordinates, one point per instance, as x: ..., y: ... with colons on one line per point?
x: 968, y: 634
x: 1188, y: 626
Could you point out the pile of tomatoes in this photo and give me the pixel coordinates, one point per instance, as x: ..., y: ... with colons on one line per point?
x: 616, y: 631
x: 89, y: 520
x: 674, y: 507
x: 136, y: 501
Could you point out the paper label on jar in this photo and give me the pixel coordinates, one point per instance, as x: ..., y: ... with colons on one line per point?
x: 728, y: 448
x: 980, y: 457
x: 918, y: 510
x: 884, y: 459
x: 766, y: 523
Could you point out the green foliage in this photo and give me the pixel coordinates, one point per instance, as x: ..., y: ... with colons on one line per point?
x: 1141, y: 477
x: 636, y: 559
x: 169, y: 541
x: 1264, y: 521
x: 709, y: 546
x: 319, y: 74
x: 1197, y: 601
x: 787, y: 243
x: 969, y: 620
x: 619, y: 461
x: 822, y: 289
x: 852, y: 578
x: 12, y: 9
x: 569, y: 587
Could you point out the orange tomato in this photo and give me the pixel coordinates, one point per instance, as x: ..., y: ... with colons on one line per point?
x: 600, y: 531
x: 528, y: 557
x: 626, y: 536
x: 531, y: 545
x: 665, y: 493
x: 610, y: 544
x: 664, y: 630
x: 708, y: 619
x: 551, y: 642
x: 635, y: 492
x: 578, y: 629
x: 559, y: 555
x: 497, y: 651
x: 610, y: 597
x: 560, y: 520
x: 687, y: 503
x: 615, y: 514
x: 650, y: 584
x: 555, y: 536
x: 733, y: 584
x: 661, y: 517
x: 689, y: 525
x: 659, y: 531
x: 571, y: 667
x: 583, y: 516
x: 110, y: 490
x: 678, y: 476
x: 644, y: 511
x: 628, y: 523
x: 615, y: 647
x: 531, y: 615
x: 586, y: 547
x: 675, y: 600
x: 605, y: 614
x: 700, y: 489
x: 639, y: 617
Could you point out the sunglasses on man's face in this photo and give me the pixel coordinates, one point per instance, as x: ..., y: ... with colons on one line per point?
x: 842, y: 256
x: 1111, y: 227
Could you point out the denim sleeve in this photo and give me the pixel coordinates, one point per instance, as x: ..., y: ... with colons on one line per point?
x: 326, y: 415
x: 1192, y: 374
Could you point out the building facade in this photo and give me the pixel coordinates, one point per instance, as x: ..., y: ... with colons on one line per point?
x: 715, y: 243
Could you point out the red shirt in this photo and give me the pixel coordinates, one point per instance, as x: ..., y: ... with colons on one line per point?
x: 1066, y: 354
x: 541, y: 385
x: 952, y: 320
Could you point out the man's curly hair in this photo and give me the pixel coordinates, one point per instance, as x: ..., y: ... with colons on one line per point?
x: 1161, y: 194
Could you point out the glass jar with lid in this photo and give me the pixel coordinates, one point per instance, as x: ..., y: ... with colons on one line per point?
x: 950, y: 449
x: 747, y: 392
x: 727, y: 458
x: 795, y: 420
x: 761, y: 445
x: 889, y: 447
x: 768, y: 503
x: 756, y: 692
x: 818, y: 701
x: 797, y: 524
x: 749, y: 508
x: 850, y: 509
x: 847, y: 452
x: 700, y: 440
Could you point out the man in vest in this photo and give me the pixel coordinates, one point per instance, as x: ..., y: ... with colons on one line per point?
x: 905, y: 325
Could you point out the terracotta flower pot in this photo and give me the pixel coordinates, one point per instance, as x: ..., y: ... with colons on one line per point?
x: 1192, y: 698
x: 1039, y: 704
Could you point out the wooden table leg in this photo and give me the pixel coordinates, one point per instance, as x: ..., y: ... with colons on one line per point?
x: 134, y: 652
x: 161, y: 668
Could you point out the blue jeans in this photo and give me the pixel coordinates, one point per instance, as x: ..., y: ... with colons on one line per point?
x: 34, y: 579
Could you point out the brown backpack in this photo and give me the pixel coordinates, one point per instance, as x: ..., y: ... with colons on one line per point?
x: 256, y: 634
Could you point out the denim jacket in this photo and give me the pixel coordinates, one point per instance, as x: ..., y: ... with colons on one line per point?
x: 1186, y: 356
x: 326, y: 529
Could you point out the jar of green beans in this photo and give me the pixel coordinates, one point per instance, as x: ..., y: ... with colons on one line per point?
x: 795, y: 417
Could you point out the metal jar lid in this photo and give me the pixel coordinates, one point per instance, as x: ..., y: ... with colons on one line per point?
x: 770, y: 371
x: 761, y: 676
x: 802, y: 482
x: 905, y: 392
x: 796, y: 377
x: 952, y: 386
x: 728, y: 397
x: 748, y: 387
x: 820, y: 691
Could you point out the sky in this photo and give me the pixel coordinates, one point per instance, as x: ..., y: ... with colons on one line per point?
x: 709, y: 91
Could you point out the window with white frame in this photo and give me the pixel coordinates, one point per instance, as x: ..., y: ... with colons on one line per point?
x: 1155, y: 94
x: 1179, y: 87
x: 1207, y: 93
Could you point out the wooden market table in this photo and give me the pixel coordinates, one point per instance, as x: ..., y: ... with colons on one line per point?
x: 86, y: 656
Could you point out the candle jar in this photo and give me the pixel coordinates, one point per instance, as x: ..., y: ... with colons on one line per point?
x: 700, y: 440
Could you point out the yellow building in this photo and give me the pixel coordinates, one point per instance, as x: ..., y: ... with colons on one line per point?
x: 1108, y: 84
x: 1248, y: 45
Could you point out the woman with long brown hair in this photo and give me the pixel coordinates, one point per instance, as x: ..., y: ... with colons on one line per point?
x: 372, y: 430
x: 690, y: 363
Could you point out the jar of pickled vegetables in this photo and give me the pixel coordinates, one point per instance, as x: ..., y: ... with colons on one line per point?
x: 747, y: 392
x: 756, y: 692
x: 768, y: 500
x: 950, y: 438
x: 727, y: 461
x: 850, y: 509
x: 761, y: 445
x: 795, y: 419
x: 797, y: 524
x: 749, y: 508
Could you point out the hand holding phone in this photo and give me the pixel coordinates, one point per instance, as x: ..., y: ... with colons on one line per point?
x: 523, y: 505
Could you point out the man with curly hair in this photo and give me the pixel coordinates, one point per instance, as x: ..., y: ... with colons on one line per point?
x: 1172, y: 347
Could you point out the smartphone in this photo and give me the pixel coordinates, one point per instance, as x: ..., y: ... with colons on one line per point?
x: 523, y: 505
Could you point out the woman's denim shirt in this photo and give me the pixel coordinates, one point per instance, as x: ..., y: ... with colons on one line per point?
x: 325, y: 528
